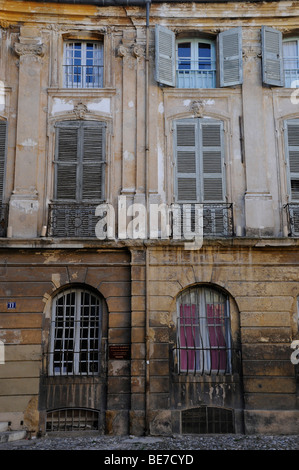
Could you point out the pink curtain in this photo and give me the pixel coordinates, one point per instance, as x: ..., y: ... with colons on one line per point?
x: 188, y: 331
x: 216, y: 327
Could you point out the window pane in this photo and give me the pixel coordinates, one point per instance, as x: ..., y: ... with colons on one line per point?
x: 76, y: 332
x: 291, y: 63
x: 203, y: 332
x: 184, y: 56
x: 83, y: 67
x: 204, y: 56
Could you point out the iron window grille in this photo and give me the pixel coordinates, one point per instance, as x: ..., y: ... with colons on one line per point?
x: 204, y: 343
x: 292, y: 212
x: 72, y: 419
x: 3, y: 219
x: 207, y: 420
x: 75, y: 335
x: 83, y: 65
x: 72, y: 220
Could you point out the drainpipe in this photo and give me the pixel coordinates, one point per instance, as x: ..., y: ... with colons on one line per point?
x: 147, y: 342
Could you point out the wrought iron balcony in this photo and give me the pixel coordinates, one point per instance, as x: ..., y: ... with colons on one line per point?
x: 72, y: 220
x: 3, y: 219
x: 292, y: 211
x: 217, y: 219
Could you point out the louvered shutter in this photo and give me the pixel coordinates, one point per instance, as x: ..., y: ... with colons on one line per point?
x: 212, y: 161
x: 165, y: 56
x: 3, y: 134
x: 230, y: 57
x: 272, y: 57
x: 66, y: 161
x: 292, y: 150
x: 186, y: 143
x: 93, y: 161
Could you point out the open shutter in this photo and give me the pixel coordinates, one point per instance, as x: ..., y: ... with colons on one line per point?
x: 3, y: 134
x: 230, y: 57
x: 272, y: 57
x: 66, y: 161
x: 186, y: 161
x: 93, y: 161
x: 292, y: 150
x: 165, y: 56
x: 212, y: 160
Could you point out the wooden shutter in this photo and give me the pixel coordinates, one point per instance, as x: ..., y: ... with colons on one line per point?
x: 165, y: 56
x: 292, y: 150
x: 3, y: 140
x: 212, y: 161
x: 93, y: 161
x: 186, y: 143
x: 230, y: 57
x: 272, y: 57
x: 79, y: 162
x: 66, y: 161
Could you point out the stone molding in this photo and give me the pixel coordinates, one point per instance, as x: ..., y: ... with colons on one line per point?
x: 29, y: 49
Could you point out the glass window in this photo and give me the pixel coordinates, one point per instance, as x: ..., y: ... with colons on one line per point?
x: 75, y: 333
x: 83, y: 65
x: 203, y: 334
x: 196, y: 63
x: 291, y: 63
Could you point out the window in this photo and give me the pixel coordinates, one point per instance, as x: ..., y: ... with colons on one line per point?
x: 280, y: 59
x: 75, y: 333
x: 292, y: 154
x: 196, y: 64
x: 191, y: 62
x: 79, y: 161
x: 203, y: 334
x: 291, y: 62
x: 199, y: 160
x: 83, y: 65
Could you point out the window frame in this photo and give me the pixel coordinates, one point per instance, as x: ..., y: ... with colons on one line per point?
x: 194, y: 59
x: 83, y: 42
x: 291, y: 175
x: 195, y: 352
x: 200, y: 175
x: 76, y: 351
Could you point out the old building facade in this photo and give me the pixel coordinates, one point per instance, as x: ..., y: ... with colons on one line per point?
x: 115, y: 115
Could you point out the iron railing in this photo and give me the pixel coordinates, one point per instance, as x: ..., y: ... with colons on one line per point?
x: 217, y: 219
x: 83, y: 76
x: 292, y: 212
x: 72, y: 419
x: 3, y: 220
x: 72, y: 220
x: 204, y: 77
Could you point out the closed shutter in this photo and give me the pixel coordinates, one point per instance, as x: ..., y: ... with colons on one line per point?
x: 66, y: 161
x: 292, y: 150
x: 3, y: 138
x: 93, y: 161
x: 165, y: 56
x: 230, y: 57
x: 272, y: 57
x: 79, y: 162
x: 212, y: 162
x: 186, y: 161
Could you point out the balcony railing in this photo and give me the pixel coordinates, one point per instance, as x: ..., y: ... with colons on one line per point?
x: 292, y: 211
x: 3, y: 219
x: 191, y: 74
x: 72, y: 220
x: 217, y: 219
x: 83, y: 76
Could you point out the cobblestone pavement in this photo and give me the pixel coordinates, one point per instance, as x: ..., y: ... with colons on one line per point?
x: 174, y: 443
